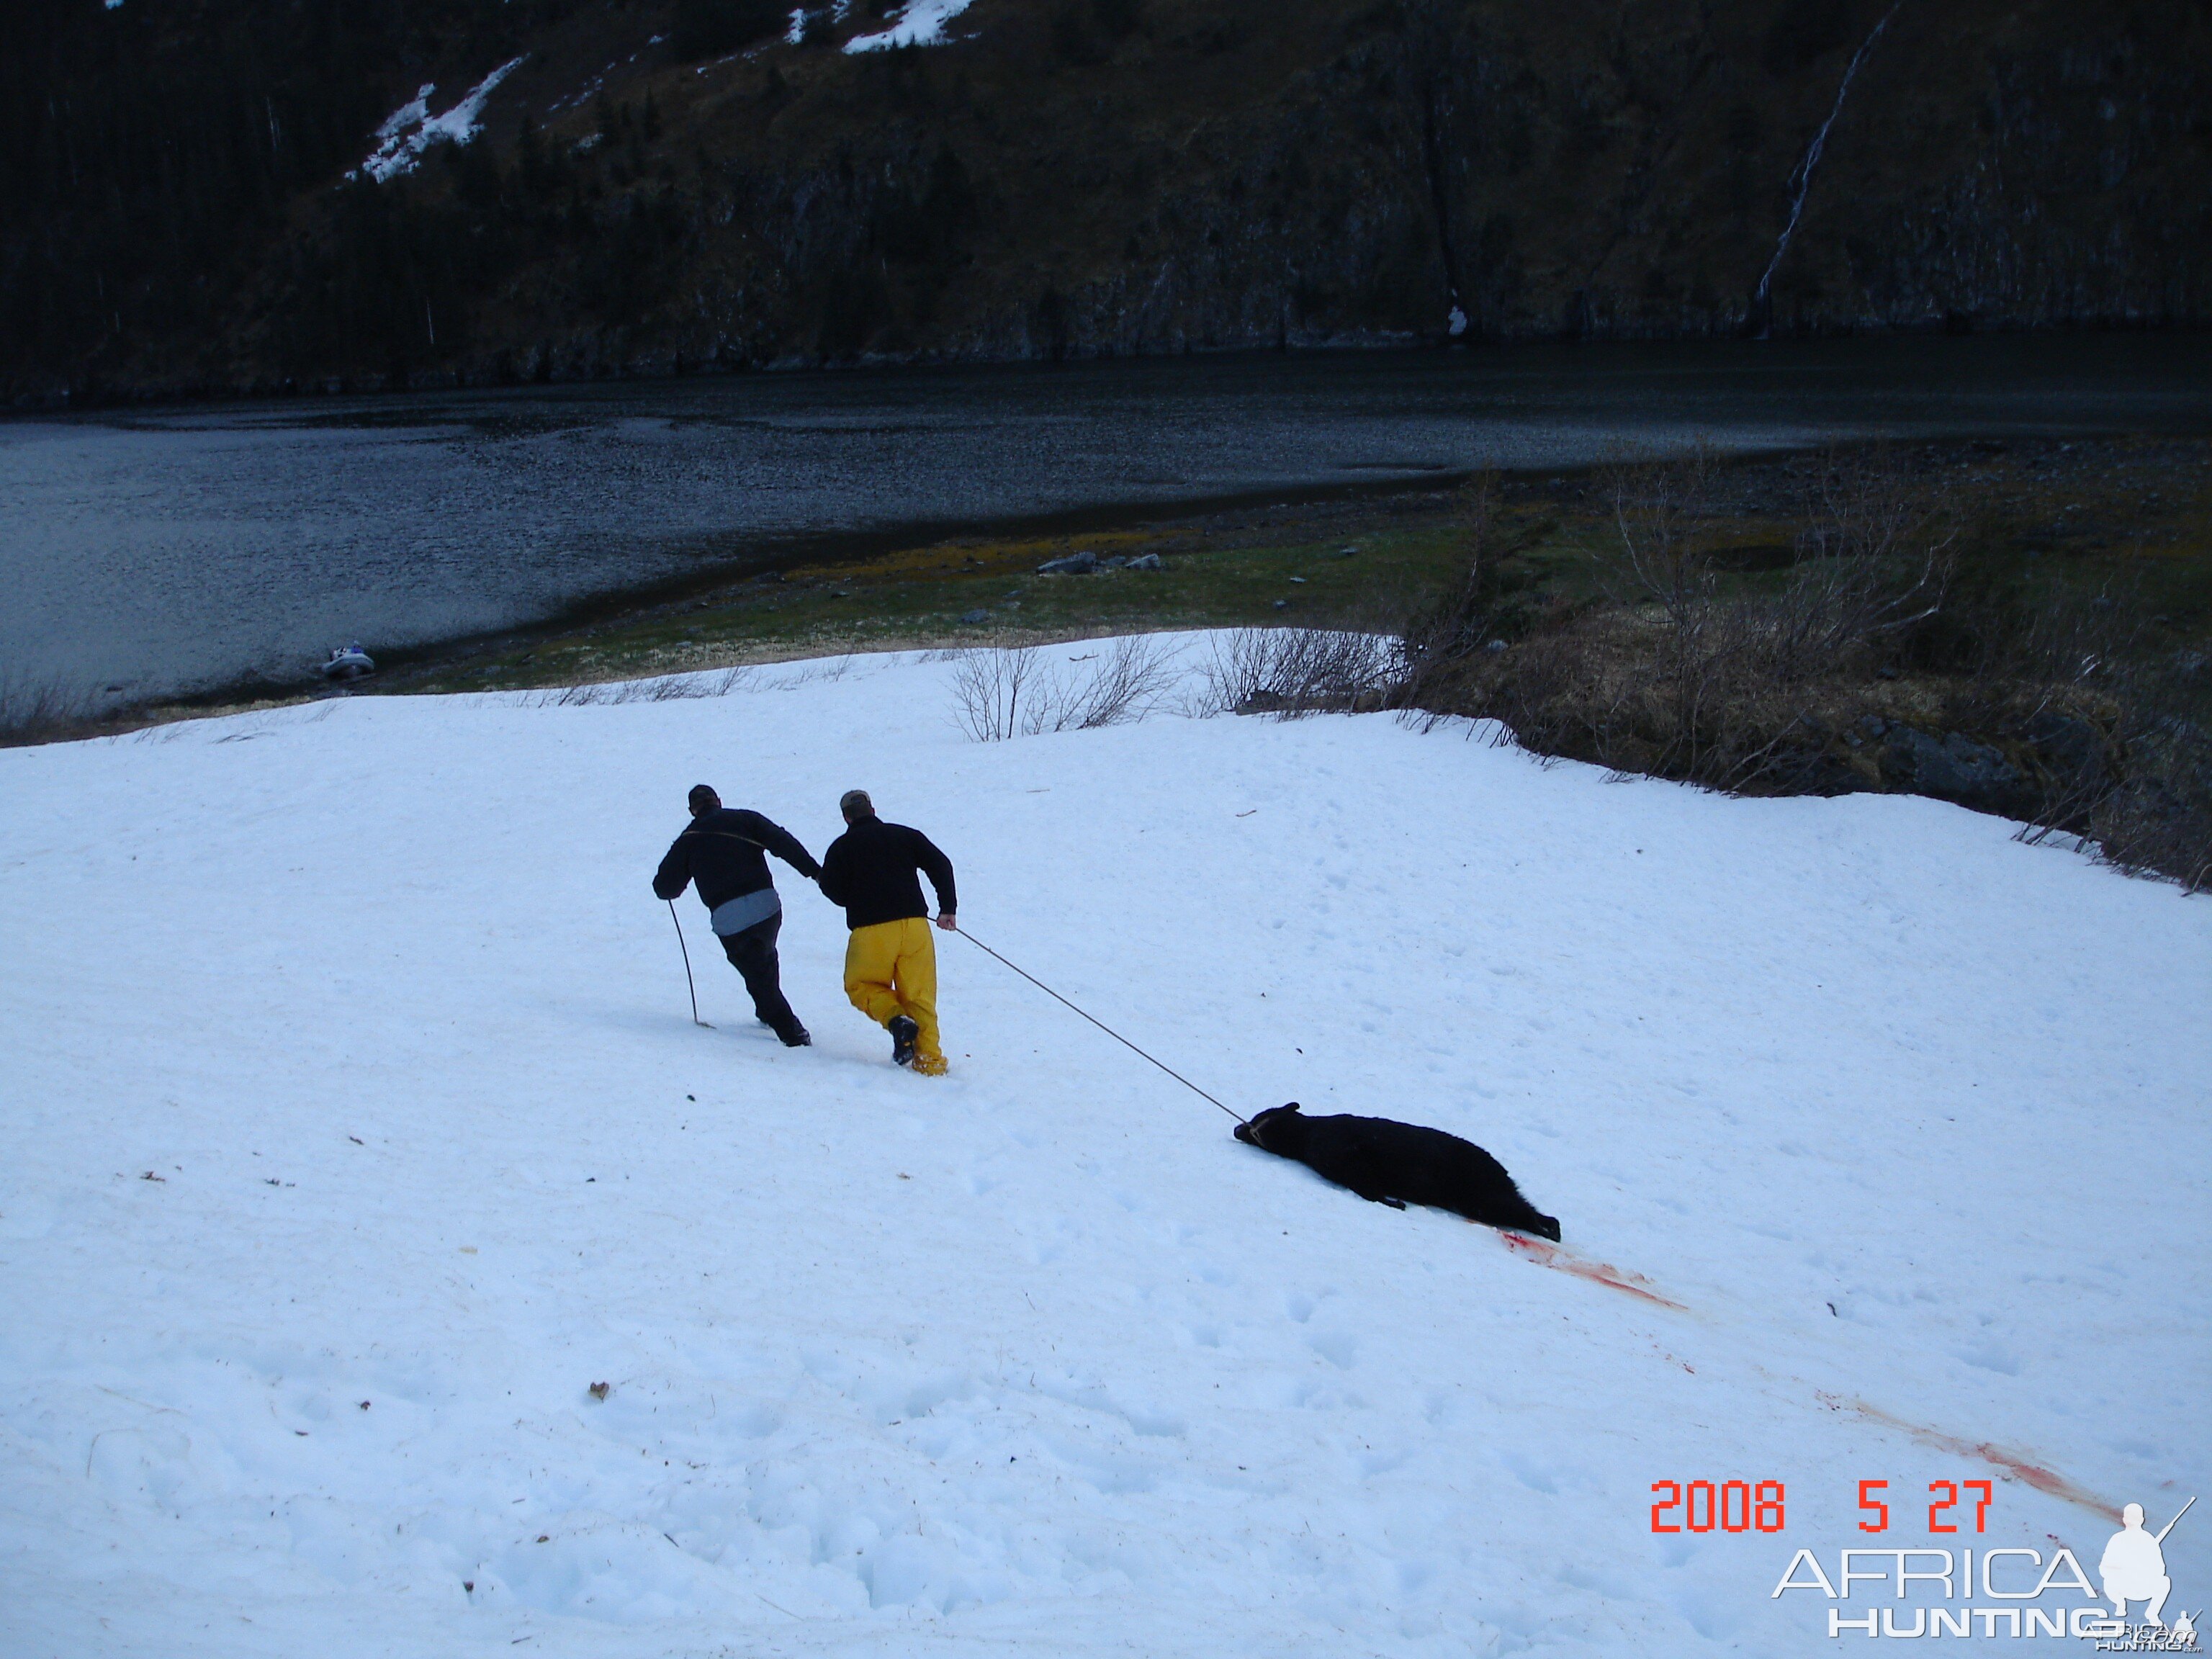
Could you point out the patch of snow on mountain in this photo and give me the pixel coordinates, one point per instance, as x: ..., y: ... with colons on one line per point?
x: 410, y: 129
x: 922, y: 23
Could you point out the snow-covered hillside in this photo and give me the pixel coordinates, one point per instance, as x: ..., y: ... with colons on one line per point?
x: 355, y: 1126
x: 920, y: 23
x: 410, y: 131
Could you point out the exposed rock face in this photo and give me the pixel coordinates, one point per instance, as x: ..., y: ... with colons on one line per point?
x: 1953, y: 768
x: 1090, y: 177
x: 1074, y: 564
x: 2072, y: 754
x: 2047, y: 765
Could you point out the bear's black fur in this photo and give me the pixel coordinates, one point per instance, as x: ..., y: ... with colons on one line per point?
x: 1398, y: 1164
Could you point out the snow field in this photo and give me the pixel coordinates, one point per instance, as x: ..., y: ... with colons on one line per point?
x: 408, y: 132
x: 920, y: 23
x: 1034, y: 1358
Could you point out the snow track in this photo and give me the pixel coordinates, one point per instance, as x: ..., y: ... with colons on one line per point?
x: 1907, y: 1118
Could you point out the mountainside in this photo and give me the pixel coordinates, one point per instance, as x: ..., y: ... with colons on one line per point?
x: 187, y: 203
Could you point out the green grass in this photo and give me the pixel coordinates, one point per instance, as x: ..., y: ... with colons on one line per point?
x: 1285, y: 566
x: 2132, y: 516
x: 981, y: 590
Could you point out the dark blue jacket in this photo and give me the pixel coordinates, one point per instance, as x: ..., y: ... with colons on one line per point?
x: 722, y: 851
x: 870, y: 870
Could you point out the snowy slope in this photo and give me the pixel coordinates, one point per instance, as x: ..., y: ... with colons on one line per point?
x: 1034, y: 1358
x: 920, y: 23
x: 410, y: 131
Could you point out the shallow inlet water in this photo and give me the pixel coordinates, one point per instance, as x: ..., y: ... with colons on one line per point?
x: 152, y: 554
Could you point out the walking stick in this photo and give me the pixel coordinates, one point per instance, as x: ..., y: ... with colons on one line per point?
x: 688, y: 980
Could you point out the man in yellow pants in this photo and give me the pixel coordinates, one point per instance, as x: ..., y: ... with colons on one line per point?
x: 890, y: 962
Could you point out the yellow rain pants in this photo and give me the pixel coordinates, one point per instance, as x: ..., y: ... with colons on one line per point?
x: 891, y: 968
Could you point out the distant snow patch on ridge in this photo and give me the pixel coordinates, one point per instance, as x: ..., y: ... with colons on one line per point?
x: 392, y: 153
x: 922, y: 23
x: 410, y: 129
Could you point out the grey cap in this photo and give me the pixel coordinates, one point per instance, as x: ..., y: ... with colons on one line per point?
x: 855, y: 803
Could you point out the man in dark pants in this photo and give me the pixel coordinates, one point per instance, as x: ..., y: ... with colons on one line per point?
x: 890, y: 966
x: 722, y: 851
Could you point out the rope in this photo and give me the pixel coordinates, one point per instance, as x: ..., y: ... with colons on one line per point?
x: 728, y: 834
x: 1100, y: 1023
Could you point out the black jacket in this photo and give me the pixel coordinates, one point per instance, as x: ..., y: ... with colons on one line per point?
x: 870, y: 870
x: 722, y: 851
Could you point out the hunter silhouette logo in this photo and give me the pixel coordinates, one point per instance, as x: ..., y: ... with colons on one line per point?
x: 2133, y: 1568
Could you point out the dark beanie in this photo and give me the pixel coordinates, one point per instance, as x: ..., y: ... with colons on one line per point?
x: 703, y: 797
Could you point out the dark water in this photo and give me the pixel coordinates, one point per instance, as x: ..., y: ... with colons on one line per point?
x: 146, y: 554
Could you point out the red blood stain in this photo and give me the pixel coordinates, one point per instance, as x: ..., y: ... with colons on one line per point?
x: 1561, y: 1259
x: 2011, y: 1463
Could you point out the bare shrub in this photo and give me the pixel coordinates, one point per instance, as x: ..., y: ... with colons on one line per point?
x: 1682, y: 673
x: 1126, y: 686
x: 1895, y: 633
x: 1445, y: 643
x: 828, y: 670
x: 1873, y: 561
x: 1668, y: 666
x: 1290, y: 673
x: 1019, y: 693
x: 1656, y: 511
x: 672, y: 688
x: 995, y: 692
x: 1622, y: 689
x: 1468, y: 617
x: 2153, y: 813
x: 40, y: 712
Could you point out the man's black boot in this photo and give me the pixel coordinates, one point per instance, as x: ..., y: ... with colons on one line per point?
x: 903, y: 1032
x: 796, y: 1037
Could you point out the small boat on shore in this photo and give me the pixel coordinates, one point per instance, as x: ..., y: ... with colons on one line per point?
x: 349, y: 663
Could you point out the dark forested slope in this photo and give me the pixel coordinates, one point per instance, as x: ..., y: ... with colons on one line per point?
x: 669, y: 183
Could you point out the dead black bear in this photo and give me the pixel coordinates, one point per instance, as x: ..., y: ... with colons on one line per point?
x: 1398, y: 1164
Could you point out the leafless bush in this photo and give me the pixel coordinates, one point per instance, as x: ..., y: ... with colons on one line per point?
x: 1126, y: 685
x: 1293, y: 672
x: 672, y: 688
x: 818, y: 670
x: 1684, y: 674
x: 1660, y: 669
x: 1873, y: 560
x: 1684, y: 648
x: 40, y: 712
x: 2156, y: 816
x: 1019, y: 693
x: 1656, y: 512
x: 1894, y: 634
x: 995, y: 692
x: 1468, y: 617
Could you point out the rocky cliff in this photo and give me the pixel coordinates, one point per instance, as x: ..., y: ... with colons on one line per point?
x: 187, y: 206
